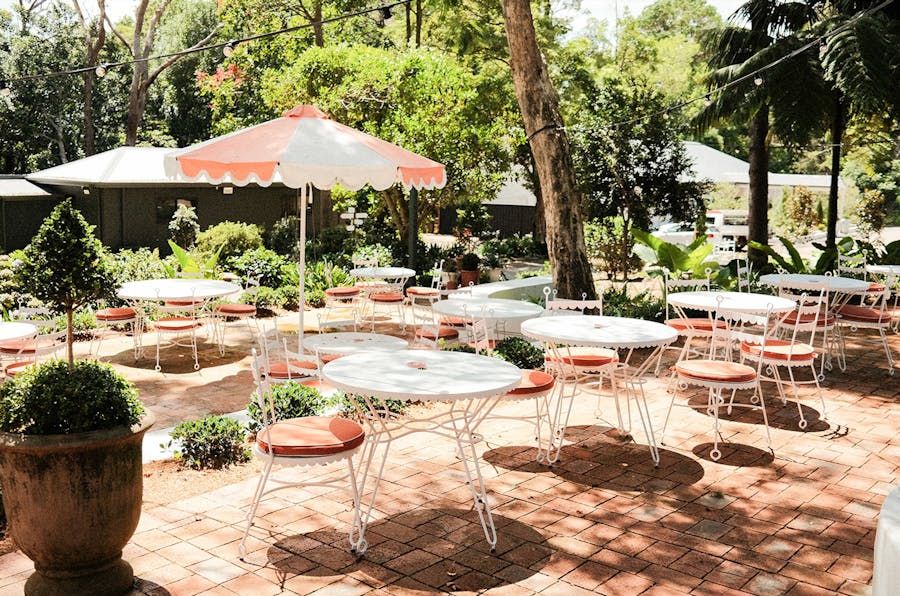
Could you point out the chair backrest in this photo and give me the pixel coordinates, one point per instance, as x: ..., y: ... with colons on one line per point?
x: 744, y: 270
x: 811, y: 312
x: 49, y: 343
x: 480, y: 333
x: 263, y: 395
x: 851, y: 266
x: 595, y: 307
x: 732, y: 333
x: 364, y: 262
x: 38, y: 316
x: 186, y: 307
x: 436, y: 281
x: 250, y: 294
x: 678, y: 284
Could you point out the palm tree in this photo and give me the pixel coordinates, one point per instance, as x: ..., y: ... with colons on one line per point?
x: 736, y: 52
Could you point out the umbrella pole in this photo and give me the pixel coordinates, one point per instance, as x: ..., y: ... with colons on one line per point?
x: 302, y: 267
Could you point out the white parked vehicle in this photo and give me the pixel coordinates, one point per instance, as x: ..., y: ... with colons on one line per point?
x: 731, y: 223
x: 682, y: 233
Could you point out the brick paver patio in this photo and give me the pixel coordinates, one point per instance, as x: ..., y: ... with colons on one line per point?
x: 604, y: 520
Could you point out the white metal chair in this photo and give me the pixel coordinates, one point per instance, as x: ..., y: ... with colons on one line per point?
x: 825, y: 322
x: 794, y: 349
x: 109, y: 318
x: 852, y: 318
x: 427, y: 294
x: 28, y: 351
x: 281, y: 364
x: 583, y: 306
x: 242, y: 311
x: 307, y: 441
x: 179, y: 323
x: 717, y: 374
x: 688, y: 328
x: 744, y: 272
x: 340, y: 308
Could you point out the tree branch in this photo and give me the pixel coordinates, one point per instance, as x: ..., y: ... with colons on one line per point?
x: 173, y: 59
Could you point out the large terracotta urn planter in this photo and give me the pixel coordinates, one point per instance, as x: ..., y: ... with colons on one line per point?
x: 467, y: 278
x: 72, y: 503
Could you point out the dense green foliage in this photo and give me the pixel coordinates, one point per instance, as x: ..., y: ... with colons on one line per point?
x: 230, y: 239
x: 520, y: 352
x: 213, y: 442
x: 290, y: 400
x: 49, y: 399
x: 183, y: 228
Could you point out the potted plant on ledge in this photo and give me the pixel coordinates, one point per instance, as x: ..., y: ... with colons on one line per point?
x: 71, y: 433
x: 468, y: 269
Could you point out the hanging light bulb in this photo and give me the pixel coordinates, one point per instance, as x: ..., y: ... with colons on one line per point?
x: 386, y: 13
x: 758, y: 81
x: 822, y: 49
x: 4, y: 89
x: 707, y: 101
x: 228, y: 49
x: 100, y: 71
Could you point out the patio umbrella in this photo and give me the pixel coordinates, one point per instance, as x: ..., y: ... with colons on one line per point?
x: 303, y: 149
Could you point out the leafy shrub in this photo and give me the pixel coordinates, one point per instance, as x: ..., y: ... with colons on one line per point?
x: 870, y: 212
x: 267, y: 297
x: 289, y: 297
x: 461, y: 348
x: 233, y: 238
x: 290, y: 400
x: 9, y: 289
x: 282, y: 236
x: 213, y: 442
x: 334, y: 244
x: 520, y: 352
x: 617, y: 303
x: 50, y: 399
x: 386, y: 407
x: 260, y: 263
x: 544, y: 270
x: 322, y: 275
x: 798, y: 210
x: 315, y: 298
x: 469, y: 262
x: 374, y: 251
x: 605, y: 243
x: 136, y: 264
x: 472, y: 219
x: 183, y: 228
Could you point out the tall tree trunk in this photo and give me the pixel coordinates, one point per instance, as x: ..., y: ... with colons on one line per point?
x: 539, y: 105
x: 418, y: 23
x: 837, y: 135
x: 539, y: 229
x: 90, y: 133
x: 137, y: 102
x: 317, y: 25
x: 759, y: 184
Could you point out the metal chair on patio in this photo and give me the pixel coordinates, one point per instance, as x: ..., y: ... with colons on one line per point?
x: 307, y: 441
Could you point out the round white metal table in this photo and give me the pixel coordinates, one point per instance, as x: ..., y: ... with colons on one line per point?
x: 615, y: 333
x: 16, y: 330
x: 176, y: 289
x: 802, y: 281
x: 737, y: 302
x: 893, y: 270
x: 468, y: 382
x: 504, y: 315
x: 351, y: 342
x: 886, y: 571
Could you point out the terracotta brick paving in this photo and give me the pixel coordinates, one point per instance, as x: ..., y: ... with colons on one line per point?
x: 604, y: 520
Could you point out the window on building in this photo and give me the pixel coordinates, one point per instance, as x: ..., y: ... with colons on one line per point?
x: 165, y: 208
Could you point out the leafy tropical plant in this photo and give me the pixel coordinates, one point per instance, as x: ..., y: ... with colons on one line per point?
x: 188, y: 263
x: 797, y: 264
x: 618, y: 303
x: 65, y: 266
x: 212, y: 442
x: 183, y: 227
x: 672, y: 258
x: 229, y: 239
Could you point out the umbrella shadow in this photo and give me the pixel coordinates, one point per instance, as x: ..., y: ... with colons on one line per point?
x: 449, y: 553
x: 601, y: 457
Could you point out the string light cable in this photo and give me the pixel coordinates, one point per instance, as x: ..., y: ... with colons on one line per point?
x: 227, y: 47
x: 756, y: 74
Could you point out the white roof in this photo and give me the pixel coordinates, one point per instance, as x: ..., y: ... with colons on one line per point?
x: 716, y: 166
x: 20, y: 188
x: 514, y: 192
x: 123, y: 166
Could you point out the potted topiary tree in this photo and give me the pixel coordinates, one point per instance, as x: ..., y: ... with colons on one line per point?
x: 71, y: 433
x: 468, y: 269
x: 450, y: 275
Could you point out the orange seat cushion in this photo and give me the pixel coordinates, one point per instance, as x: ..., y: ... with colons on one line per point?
x: 319, y: 384
x: 342, y: 292
x: 422, y: 291
x: 586, y: 357
x: 184, y: 303
x: 874, y: 286
x: 387, y: 297
x: 454, y: 321
x: 699, y: 324
x: 279, y: 370
x: 824, y: 320
x: 443, y: 333
x: 236, y: 309
x: 326, y: 358
x: 534, y: 382
x: 863, y: 314
x: 716, y: 370
x: 27, y: 346
x: 16, y: 367
x: 176, y: 324
x: 311, y: 437
x: 778, y: 349
x: 115, y: 314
